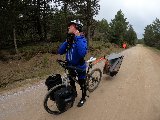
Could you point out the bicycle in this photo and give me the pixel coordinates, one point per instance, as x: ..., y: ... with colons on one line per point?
x: 92, y: 83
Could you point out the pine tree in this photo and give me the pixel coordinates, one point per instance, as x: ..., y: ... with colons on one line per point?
x: 118, y: 28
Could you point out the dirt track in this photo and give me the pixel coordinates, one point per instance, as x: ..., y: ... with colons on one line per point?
x: 134, y: 94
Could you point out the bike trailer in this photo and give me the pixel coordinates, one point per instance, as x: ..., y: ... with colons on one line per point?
x: 114, y: 64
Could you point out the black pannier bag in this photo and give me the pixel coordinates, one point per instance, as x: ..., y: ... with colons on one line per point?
x: 115, y: 61
x: 65, y: 98
x: 51, y: 82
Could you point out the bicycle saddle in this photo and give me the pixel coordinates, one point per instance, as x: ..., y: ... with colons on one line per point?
x: 91, y: 59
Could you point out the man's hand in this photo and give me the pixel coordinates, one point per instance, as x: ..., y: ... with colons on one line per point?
x: 70, y: 38
x: 77, y: 33
x: 69, y: 41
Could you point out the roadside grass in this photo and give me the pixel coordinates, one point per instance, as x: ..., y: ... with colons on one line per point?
x: 37, y: 62
x: 156, y: 50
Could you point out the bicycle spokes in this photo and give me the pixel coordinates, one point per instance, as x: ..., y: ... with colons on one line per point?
x: 94, y: 79
x: 51, y: 105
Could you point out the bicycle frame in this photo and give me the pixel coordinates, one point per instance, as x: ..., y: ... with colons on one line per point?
x: 97, y: 61
x: 65, y: 77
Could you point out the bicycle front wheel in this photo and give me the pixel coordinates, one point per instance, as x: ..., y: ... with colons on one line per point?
x: 94, y: 79
x: 49, y: 103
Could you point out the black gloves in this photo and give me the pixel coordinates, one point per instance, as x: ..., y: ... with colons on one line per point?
x: 70, y: 38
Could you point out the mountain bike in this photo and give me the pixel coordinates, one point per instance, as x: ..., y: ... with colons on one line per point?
x: 93, y: 78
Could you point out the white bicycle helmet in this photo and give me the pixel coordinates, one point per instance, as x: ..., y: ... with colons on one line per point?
x: 77, y: 24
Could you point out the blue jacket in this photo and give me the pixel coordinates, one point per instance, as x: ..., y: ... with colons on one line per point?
x: 76, y: 52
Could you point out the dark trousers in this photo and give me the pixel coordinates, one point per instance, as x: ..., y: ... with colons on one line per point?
x: 82, y: 81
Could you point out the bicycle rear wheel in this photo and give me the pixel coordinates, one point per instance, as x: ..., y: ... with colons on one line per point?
x: 94, y: 79
x: 49, y: 104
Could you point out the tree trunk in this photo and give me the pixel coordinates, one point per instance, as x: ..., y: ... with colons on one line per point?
x: 61, y: 34
x: 44, y: 21
x: 88, y: 19
x: 88, y: 34
x: 15, y: 41
x: 65, y: 11
x: 39, y: 27
x: 45, y: 31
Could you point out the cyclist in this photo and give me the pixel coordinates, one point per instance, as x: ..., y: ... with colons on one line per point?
x: 75, y: 48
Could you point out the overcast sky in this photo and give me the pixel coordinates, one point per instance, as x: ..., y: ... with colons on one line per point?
x: 139, y: 13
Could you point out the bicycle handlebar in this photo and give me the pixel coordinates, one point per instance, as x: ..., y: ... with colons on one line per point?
x: 64, y: 65
x: 74, y: 68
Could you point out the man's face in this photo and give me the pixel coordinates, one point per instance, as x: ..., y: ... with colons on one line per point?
x: 71, y: 29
